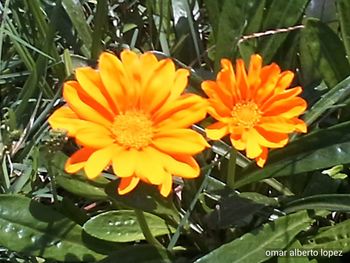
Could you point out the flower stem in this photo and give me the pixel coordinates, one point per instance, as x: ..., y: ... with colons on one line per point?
x: 145, y: 229
x: 231, y: 168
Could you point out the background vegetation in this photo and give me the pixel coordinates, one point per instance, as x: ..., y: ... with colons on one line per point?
x: 300, y: 199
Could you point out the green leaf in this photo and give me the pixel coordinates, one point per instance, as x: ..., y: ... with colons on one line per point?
x: 81, y: 186
x: 339, y: 93
x: 35, y: 229
x: 318, y: 150
x: 327, y: 56
x: 331, y: 202
x: 122, y: 226
x: 336, y: 237
x: 75, y: 12
x: 281, y: 14
x: 343, y: 7
x: 146, y: 198
x: 290, y: 257
x: 252, y: 246
x: 139, y: 253
x: 232, y: 22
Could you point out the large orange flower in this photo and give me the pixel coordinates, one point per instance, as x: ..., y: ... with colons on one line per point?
x: 257, y: 109
x: 130, y: 113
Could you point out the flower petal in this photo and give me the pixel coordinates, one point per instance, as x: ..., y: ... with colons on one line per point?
x: 287, y: 94
x: 269, y: 76
x: 78, y: 160
x: 66, y: 119
x: 179, y: 141
x: 95, y: 136
x: 242, y: 80
x: 166, y: 186
x: 217, y: 130
x: 254, y: 72
x: 114, y: 79
x: 124, y: 162
x: 83, y: 110
x: 284, y: 81
x: 181, y: 113
x: 261, y: 160
x: 253, y: 148
x: 156, y: 91
x: 182, y: 165
x: 270, y: 139
x: 180, y: 83
x: 288, y: 108
x: 93, y: 88
x: 277, y: 124
x: 218, y: 92
x: 127, y: 184
x: 148, y: 167
x: 98, y: 161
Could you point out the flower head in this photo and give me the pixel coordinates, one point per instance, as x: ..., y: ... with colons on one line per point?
x: 257, y: 108
x: 131, y: 114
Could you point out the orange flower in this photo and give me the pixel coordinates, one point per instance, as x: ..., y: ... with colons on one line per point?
x: 256, y: 108
x: 130, y: 114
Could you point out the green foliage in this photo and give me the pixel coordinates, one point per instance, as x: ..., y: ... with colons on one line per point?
x: 235, y: 211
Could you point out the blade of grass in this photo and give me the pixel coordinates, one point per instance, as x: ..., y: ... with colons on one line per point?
x: 100, y: 20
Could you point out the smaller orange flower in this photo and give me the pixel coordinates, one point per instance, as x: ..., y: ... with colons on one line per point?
x: 257, y: 109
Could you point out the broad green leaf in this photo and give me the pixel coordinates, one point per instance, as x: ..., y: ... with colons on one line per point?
x: 280, y: 14
x: 343, y: 7
x: 75, y: 12
x: 251, y: 247
x: 318, y: 150
x: 35, y: 229
x: 290, y: 252
x: 81, y: 186
x: 232, y: 23
x: 340, y: 92
x: 328, y: 57
x: 139, y: 253
x: 122, y: 226
x: 336, y: 237
x: 332, y: 202
x: 146, y: 198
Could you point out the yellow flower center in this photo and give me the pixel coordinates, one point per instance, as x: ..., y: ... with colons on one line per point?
x: 246, y: 114
x: 133, y: 129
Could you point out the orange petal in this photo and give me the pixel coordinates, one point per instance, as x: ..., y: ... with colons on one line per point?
x: 157, y: 90
x: 181, y: 113
x: 253, y: 148
x: 227, y: 81
x: 238, y: 140
x: 77, y: 161
x: 270, y: 139
x: 254, y: 72
x: 98, y: 161
x: 288, y: 108
x: 277, y: 124
x: 242, y: 80
x: 284, y: 81
x: 287, y: 94
x: 95, y: 136
x: 83, y: 110
x: 114, y: 79
x: 165, y: 187
x: 127, y: 184
x: 124, y: 162
x: 300, y: 125
x: 218, y: 92
x: 261, y: 160
x: 269, y: 76
x: 92, y: 86
x: 180, y: 141
x: 180, y: 83
x: 182, y: 165
x: 66, y: 119
x: 217, y: 130
x: 148, y: 167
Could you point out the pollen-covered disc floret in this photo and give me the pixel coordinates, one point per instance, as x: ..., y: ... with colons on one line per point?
x: 133, y: 129
x: 256, y: 108
x: 131, y: 114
